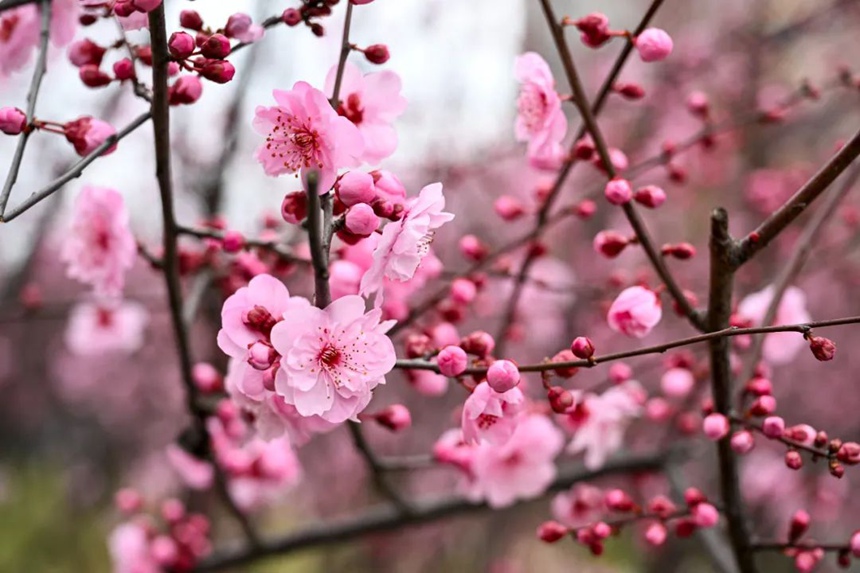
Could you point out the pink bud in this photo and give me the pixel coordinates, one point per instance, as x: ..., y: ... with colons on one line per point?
x: 124, y: 8
x: 217, y: 47
x: 582, y: 347
x: 472, y: 248
x: 561, y: 357
x: 583, y: 149
x: 361, y: 220
x: 503, y: 375
x: 822, y: 348
x: 715, y: 426
x: 291, y: 17
x: 86, y: 134
x: 508, y: 208
x: 773, y: 427
x: 123, y: 69
x: 655, y: 534
x: 855, y: 544
x: 85, y: 52
x: 743, y: 442
x: 618, y: 500
x: 805, y: 561
x: 763, y: 406
x: 620, y: 373
x: 190, y: 19
x: 181, y: 45
x: 594, y: 28
x: 610, y: 243
x: 662, y: 506
x: 560, y: 400
x: 551, y: 531
x: 355, y: 187
x: 395, y: 417
x: 172, y: 510
x: 478, y: 343
x: 145, y: 5
x: 13, y: 121
x: 618, y: 191
x: 677, y: 382
x: 218, y: 71
x: 694, y: 496
x: 585, y: 209
x: 463, y: 291
x: 697, y: 104
x: 849, y: 453
x: 418, y: 345
x: 261, y: 355
x: 601, y: 530
x: 93, y: 77
x: 377, y: 53
x: 650, y: 196
x: 242, y: 27
x: 233, y: 242
x: 186, y: 90
x: 759, y: 386
x: 206, y: 378
x: 128, y: 500
x: 653, y: 45
x: 164, y: 550
x: 681, y: 251
x: 452, y: 361
x: 294, y: 208
x: 799, y: 524
x: 793, y: 460
x: 629, y: 91
x: 705, y: 515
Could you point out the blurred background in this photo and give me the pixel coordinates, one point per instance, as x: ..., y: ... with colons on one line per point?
x: 75, y: 427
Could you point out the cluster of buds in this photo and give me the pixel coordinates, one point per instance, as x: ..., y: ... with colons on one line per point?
x: 308, y: 12
x: 86, y: 134
x: 659, y: 514
x: 653, y: 44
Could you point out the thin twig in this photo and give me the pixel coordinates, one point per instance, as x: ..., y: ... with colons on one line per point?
x: 802, y: 328
x: 344, y: 54
x: 797, y: 204
x: 161, y: 132
x: 719, y: 312
x: 388, y: 518
x: 32, y: 96
x: 75, y: 170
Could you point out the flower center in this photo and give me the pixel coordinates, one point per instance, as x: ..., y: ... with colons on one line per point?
x: 104, y: 317
x: 295, y: 143
x: 532, y: 106
x: 260, y: 319
x: 486, y: 421
x: 7, y: 26
x: 330, y: 356
x: 351, y: 109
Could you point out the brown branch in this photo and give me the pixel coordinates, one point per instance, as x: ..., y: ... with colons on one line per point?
x: 630, y: 211
x: 270, y: 246
x: 75, y: 170
x: 388, y: 518
x: 32, y: 96
x: 797, y: 204
x: 161, y: 132
x: 719, y: 312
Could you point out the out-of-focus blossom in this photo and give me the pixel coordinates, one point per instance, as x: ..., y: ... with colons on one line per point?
x: 87, y: 134
x: 779, y: 347
x: 106, y: 326
x: 128, y: 544
x: 540, y: 120
x: 372, y: 102
x: 491, y: 416
x: 20, y: 28
x: 99, y: 247
x: 635, y: 312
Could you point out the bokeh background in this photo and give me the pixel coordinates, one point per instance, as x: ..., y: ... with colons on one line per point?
x: 74, y: 428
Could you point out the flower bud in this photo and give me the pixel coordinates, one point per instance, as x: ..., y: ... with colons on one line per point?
x: 551, y: 531
x: 85, y: 52
x: 716, y: 426
x: 216, y: 47
x: 452, y: 361
x: 618, y: 500
x: 610, y: 243
x: 355, y: 187
x: 582, y: 347
x: 650, y: 196
x: 185, y: 91
x: 656, y: 534
x: 508, y: 208
x: 773, y: 427
x: 694, y: 496
x: 206, y: 378
x: 361, y: 220
x: 128, y: 500
x: 233, y: 242
x: 620, y: 373
x: 218, y: 71
x: 742, y: 442
x: 472, y: 248
x: 793, y: 460
x: 681, y: 251
x: 618, y: 191
x: 629, y: 91
x: 697, y: 104
x: 560, y: 400
x: 463, y: 291
x: 291, y: 17
x: 503, y: 375
x: 395, y: 417
x: 478, y: 343
x: 294, y: 207
x: 261, y: 355
x: 181, y: 45
x: 849, y: 453
x: 565, y: 371
x: 190, y: 19
x: 377, y: 53
x: 123, y: 69
x: 822, y: 348
x: 86, y: 134
x: 653, y: 45
x: 799, y: 525
x: 13, y: 121
x: 585, y: 209
x: 855, y: 544
x: 705, y: 515
x: 594, y: 28
x: 93, y: 77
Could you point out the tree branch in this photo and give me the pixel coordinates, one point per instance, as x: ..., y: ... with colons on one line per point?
x: 719, y: 312
x: 388, y: 518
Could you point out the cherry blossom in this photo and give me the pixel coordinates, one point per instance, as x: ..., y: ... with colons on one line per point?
x: 540, y: 119
x: 372, y: 102
x: 491, y: 416
x: 779, y: 347
x: 522, y: 468
x: 333, y: 358
x: 599, y: 422
x: 304, y: 133
x: 99, y: 247
x: 635, y: 312
x: 106, y: 326
x: 404, y: 243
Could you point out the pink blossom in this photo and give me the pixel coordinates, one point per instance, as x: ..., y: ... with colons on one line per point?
x: 20, y: 28
x: 333, y: 358
x: 404, y: 243
x: 87, y: 134
x: 99, y: 247
x: 522, y: 468
x: 361, y: 220
x: 580, y: 506
x: 503, y: 375
x: 606, y: 418
x: 372, y: 103
x: 540, y: 119
x: 195, y: 473
x: 427, y: 383
x: 304, y: 133
x: 715, y: 426
x: 100, y: 327
x: 635, y: 312
x: 12, y: 120
x: 128, y: 545
x: 452, y: 361
x: 677, y: 382
x: 491, y: 416
x: 779, y: 347
x: 242, y: 27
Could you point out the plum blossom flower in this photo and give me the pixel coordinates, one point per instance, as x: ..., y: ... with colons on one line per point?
x: 332, y: 358
x: 20, y: 28
x: 635, y: 312
x: 491, y: 416
x: 243, y: 28
x: 372, y: 102
x: 100, y: 327
x: 522, y: 468
x: 99, y: 247
x: 581, y: 505
x: 779, y: 347
x: 404, y: 243
x: 304, y: 133
x: 599, y: 421
x: 86, y: 134
x: 195, y: 473
x: 540, y: 120
x: 128, y: 545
